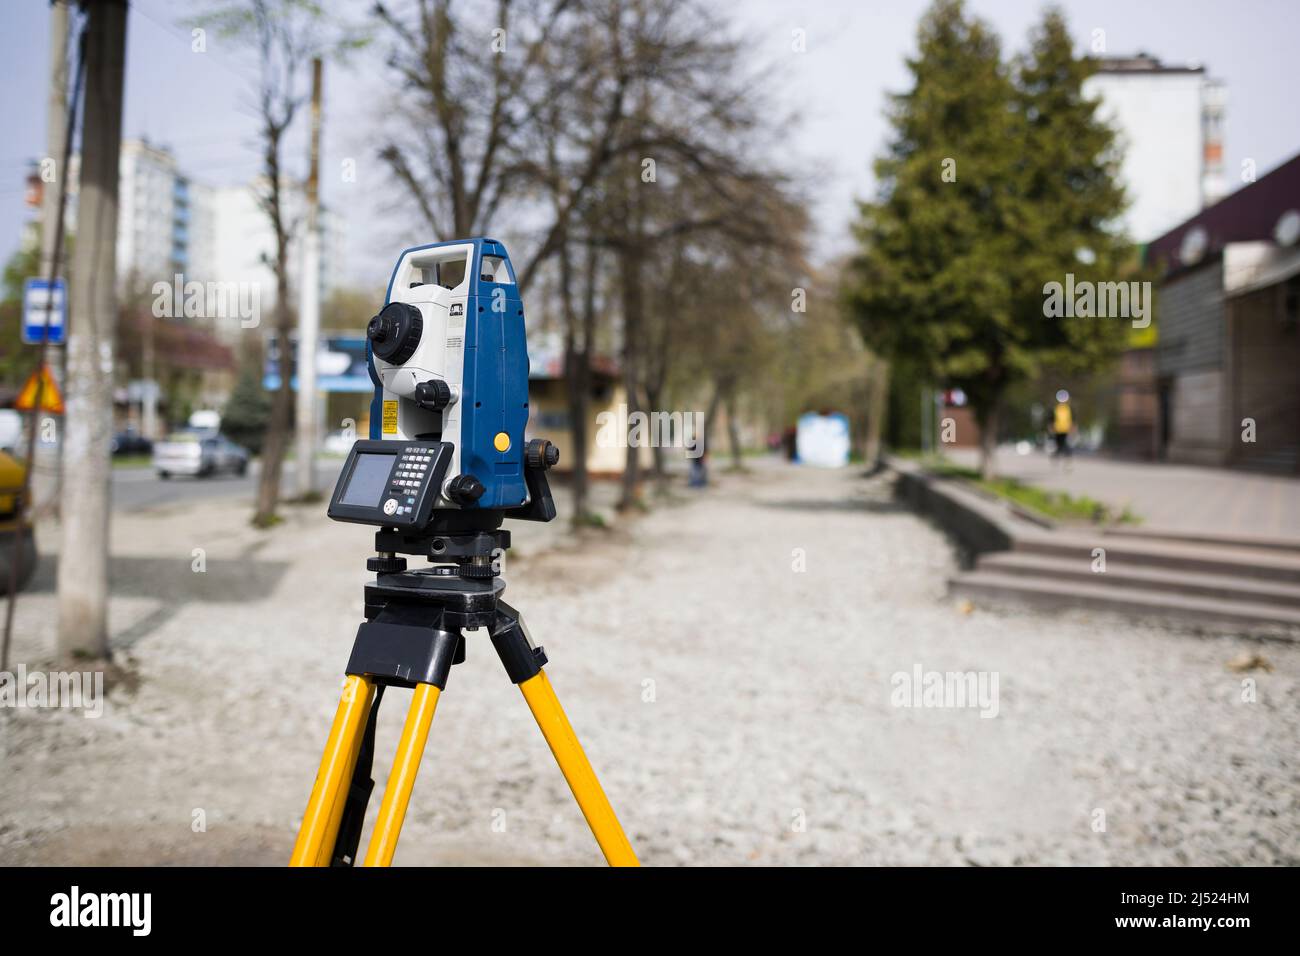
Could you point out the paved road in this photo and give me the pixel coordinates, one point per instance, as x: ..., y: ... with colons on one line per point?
x: 732, y: 664
x: 136, y: 489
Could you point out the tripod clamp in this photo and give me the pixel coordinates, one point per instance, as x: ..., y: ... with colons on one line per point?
x: 412, y: 633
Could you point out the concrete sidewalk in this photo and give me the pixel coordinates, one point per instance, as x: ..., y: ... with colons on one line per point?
x: 1183, y: 499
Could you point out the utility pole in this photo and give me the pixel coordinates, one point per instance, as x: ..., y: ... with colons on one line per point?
x: 53, y: 203
x: 83, y: 558
x: 148, y: 385
x: 56, y: 119
x: 309, y: 308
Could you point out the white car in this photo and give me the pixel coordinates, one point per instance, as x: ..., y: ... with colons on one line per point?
x: 198, y: 453
x: 339, y: 443
x: 11, y: 430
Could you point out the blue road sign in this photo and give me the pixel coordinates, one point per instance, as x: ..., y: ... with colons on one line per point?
x: 43, y: 312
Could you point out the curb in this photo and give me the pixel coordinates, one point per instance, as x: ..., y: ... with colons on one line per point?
x: 979, y: 524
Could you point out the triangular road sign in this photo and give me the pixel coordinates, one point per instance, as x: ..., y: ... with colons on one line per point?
x: 51, y: 400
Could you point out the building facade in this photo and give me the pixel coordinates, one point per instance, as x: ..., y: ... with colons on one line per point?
x: 1169, y: 120
x: 1227, y: 363
x: 243, y: 242
x: 153, y: 216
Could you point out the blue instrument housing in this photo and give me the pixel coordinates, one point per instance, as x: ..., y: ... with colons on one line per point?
x: 494, y: 383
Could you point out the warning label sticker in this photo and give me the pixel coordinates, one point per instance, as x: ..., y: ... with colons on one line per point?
x: 390, y: 418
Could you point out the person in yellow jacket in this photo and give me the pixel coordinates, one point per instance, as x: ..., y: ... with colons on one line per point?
x: 1062, y: 425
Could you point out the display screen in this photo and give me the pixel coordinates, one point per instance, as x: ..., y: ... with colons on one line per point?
x: 368, y: 480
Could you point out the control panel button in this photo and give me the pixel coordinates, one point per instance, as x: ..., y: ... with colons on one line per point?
x: 390, y: 506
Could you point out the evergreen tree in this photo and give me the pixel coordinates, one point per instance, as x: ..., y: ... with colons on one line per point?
x: 248, y: 410
x: 998, y: 180
x: 1072, y: 199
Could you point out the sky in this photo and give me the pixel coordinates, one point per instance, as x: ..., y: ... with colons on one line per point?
x: 198, y: 103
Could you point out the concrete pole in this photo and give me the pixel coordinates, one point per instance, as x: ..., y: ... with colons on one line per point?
x: 46, y: 480
x: 40, y: 476
x: 56, y: 119
x: 305, y: 423
x: 149, y: 397
x: 83, y: 558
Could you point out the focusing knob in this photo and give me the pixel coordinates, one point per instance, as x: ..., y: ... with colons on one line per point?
x: 465, y: 489
x: 541, y: 454
x: 434, y: 394
x: 394, y: 333
x: 385, y: 565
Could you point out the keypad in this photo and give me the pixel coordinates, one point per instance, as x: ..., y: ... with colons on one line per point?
x: 408, y: 478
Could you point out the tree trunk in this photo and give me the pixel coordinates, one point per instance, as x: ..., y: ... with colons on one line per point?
x: 577, y: 373
x: 653, y: 396
x: 630, y: 281
x: 988, y: 423
x: 277, y: 432
x: 83, y: 561
x: 711, y: 417
x: 582, y: 393
x: 877, y: 410
x: 578, y: 376
x: 306, y: 407
x: 655, y: 373
x: 733, y: 432
x: 282, y: 406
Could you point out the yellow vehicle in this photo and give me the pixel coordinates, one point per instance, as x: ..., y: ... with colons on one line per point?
x: 12, y: 473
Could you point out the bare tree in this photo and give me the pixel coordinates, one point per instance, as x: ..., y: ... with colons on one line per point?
x: 473, y: 78
x: 286, y: 35
x: 619, y: 131
x: 535, y: 105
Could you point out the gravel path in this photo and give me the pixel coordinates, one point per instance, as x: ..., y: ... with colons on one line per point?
x: 737, y: 710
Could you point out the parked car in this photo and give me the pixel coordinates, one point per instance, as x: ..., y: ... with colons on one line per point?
x: 20, y: 547
x: 198, y: 453
x: 11, y: 430
x: 131, y: 442
x: 339, y: 442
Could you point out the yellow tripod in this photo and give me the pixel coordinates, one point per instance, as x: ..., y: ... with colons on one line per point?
x: 411, y: 638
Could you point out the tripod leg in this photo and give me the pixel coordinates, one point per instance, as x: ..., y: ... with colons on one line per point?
x: 401, y: 779
x: 577, y: 771
x: 320, y: 821
x: 523, y: 663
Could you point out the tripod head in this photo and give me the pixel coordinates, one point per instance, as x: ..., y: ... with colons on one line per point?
x: 446, y: 461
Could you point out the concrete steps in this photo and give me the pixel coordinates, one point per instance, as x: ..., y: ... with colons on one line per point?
x: 1219, y: 583
x: 1121, y: 575
x: 1238, y: 615
x: 1230, y: 558
x: 1285, y: 545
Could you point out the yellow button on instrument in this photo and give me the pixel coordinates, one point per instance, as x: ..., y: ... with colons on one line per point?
x: 501, y: 442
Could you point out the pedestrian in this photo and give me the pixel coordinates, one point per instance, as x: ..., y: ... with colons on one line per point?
x: 1062, y: 425
x: 699, y: 474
